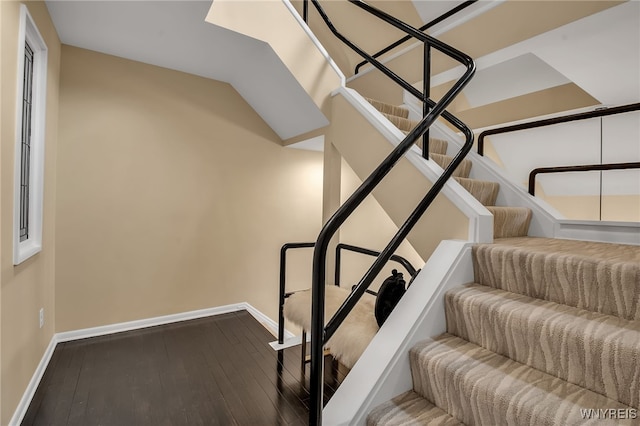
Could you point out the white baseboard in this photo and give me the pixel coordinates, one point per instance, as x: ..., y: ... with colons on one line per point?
x: 85, y: 333
x: 265, y: 320
x: 23, y: 405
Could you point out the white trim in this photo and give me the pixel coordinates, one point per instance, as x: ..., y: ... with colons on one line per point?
x: 289, y: 342
x: 603, y: 231
x: 480, y: 219
x: 30, y: 391
x: 265, y: 320
x: 68, y: 336
x: 315, y: 40
x: 464, y: 16
x: 383, y: 370
x: 437, y: 30
x: 29, y: 32
x: 85, y: 333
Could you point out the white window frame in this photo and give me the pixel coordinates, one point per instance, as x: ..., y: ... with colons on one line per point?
x: 23, y: 250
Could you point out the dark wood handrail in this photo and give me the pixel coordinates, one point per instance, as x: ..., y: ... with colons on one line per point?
x: 580, y: 168
x: 600, y: 112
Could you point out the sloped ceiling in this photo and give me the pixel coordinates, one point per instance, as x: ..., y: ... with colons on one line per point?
x: 174, y: 35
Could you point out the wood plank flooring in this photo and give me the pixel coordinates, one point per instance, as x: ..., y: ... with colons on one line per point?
x: 212, y: 371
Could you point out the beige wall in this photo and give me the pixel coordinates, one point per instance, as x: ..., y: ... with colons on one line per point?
x: 30, y: 286
x: 173, y: 195
x: 364, y: 147
x: 283, y: 33
x: 625, y: 208
x: 506, y: 24
x: 370, y: 34
x: 370, y: 227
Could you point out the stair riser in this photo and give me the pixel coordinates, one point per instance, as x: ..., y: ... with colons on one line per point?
x: 510, y: 221
x: 595, y: 351
x: 485, y: 192
x: 607, y: 288
x: 478, y: 387
x: 410, y: 409
x: 389, y: 109
x: 462, y: 170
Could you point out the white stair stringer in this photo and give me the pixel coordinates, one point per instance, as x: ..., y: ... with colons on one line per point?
x: 286, y: 58
x: 376, y: 136
x: 546, y: 221
x: 383, y: 370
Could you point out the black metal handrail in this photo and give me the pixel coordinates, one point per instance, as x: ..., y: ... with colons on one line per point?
x: 422, y: 28
x: 283, y: 278
x: 429, y: 42
x: 283, y: 293
x: 319, y: 333
x: 600, y: 112
x: 348, y: 247
x: 580, y: 168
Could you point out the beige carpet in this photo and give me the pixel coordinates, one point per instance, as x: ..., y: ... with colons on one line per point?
x: 549, y: 330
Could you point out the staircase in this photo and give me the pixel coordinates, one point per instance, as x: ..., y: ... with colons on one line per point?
x: 548, y: 334
x: 507, y: 221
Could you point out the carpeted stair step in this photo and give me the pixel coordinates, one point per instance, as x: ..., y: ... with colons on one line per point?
x: 484, y: 191
x: 510, y: 221
x: 403, y: 124
x: 479, y: 387
x: 595, y: 351
x: 399, y: 118
x: 443, y: 161
x: 436, y: 146
x: 386, y: 108
x: 599, y: 277
x: 408, y: 409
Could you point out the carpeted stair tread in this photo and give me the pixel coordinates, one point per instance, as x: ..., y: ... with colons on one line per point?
x: 407, y: 409
x: 477, y: 386
x: 436, y: 146
x: 443, y: 161
x: 597, y: 250
x: 510, y: 221
x: 399, y: 117
x: 403, y: 124
x: 596, y: 351
x: 484, y: 191
x: 386, y: 108
x: 600, y: 277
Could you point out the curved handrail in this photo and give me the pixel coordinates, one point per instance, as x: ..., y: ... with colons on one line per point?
x: 422, y: 28
x: 319, y: 333
x: 396, y: 258
x: 283, y: 294
x: 283, y: 277
x: 600, y: 112
x: 580, y: 168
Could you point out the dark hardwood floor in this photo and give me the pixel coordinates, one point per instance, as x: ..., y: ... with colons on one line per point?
x: 213, y: 371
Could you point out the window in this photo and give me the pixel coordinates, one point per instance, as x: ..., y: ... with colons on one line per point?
x: 30, y: 128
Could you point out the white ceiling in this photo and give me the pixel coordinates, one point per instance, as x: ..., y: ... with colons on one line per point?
x: 174, y: 35
x: 496, y: 83
x: 170, y: 34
